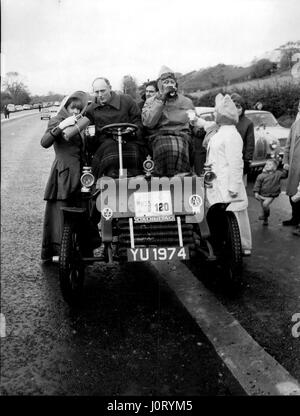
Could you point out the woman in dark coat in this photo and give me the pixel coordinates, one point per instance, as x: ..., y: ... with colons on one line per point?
x: 64, y: 180
x: 246, y: 129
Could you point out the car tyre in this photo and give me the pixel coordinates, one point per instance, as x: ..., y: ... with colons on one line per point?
x: 71, y: 267
x: 231, y: 257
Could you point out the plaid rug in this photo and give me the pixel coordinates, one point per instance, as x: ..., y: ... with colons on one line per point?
x: 172, y: 153
x: 106, y: 159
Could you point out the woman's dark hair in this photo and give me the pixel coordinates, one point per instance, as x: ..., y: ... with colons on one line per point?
x: 153, y: 83
x: 77, y: 103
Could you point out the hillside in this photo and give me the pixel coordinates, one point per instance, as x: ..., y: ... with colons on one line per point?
x: 221, y: 75
x: 274, y: 80
x: 213, y: 77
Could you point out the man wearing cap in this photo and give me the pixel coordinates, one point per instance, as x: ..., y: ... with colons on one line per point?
x: 246, y: 129
x: 165, y: 116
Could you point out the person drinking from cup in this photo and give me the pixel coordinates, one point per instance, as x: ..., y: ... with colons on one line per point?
x: 166, y: 118
x: 64, y: 179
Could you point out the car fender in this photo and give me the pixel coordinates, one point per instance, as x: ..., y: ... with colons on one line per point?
x: 73, y: 213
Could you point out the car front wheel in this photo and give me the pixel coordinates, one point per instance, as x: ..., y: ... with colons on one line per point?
x: 230, y: 257
x: 71, y: 268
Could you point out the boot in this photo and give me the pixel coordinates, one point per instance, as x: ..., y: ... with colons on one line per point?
x: 292, y: 221
x: 266, y: 216
x: 296, y: 231
x: 101, y: 252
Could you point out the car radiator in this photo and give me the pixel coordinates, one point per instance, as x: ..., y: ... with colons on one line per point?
x: 164, y: 234
x: 261, y: 149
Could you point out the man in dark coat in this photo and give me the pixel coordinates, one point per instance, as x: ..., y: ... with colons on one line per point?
x: 110, y: 108
x: 6, y: 112
x: 246, y: 129
x: 151, y: 89
x: 291, y: 161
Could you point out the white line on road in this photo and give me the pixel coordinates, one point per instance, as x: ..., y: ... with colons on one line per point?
x: 18, y: 116
x: 255, y: 370
x: 2, y: 325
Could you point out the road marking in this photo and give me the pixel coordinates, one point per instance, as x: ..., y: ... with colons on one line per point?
x: 17, y: 117
x: 2, y: 326
x: 256, y: 371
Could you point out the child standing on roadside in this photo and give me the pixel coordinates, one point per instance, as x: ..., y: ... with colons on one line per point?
x: 267, y: 187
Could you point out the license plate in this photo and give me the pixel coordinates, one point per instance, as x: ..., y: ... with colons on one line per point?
x: 157, y: 253
x: 150, y: 204
x: 155, y: 218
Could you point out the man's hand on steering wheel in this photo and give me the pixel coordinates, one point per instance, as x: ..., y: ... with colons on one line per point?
x: 129, y: 130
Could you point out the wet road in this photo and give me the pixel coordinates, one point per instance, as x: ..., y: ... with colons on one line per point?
x: 131, y: 337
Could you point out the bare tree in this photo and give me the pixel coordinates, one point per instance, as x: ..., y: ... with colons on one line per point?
x: 13, y: 85
x: 129, y: 86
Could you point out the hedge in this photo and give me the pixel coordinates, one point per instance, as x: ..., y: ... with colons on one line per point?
x: 281, y: 100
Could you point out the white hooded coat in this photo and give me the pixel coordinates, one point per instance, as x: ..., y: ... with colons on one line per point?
x: 225, y: 155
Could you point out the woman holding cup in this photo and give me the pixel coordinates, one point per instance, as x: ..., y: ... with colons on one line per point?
x: 64, y: 179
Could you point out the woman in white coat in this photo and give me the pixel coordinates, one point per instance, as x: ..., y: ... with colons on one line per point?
x: 224, y: 153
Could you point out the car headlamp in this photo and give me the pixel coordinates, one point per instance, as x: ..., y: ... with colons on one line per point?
x: 87, y: 179
x: 209, y: 177
x: 274, y: 143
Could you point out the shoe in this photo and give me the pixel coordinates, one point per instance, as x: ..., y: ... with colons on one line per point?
x: 296, y: 232
x: 246, y: 253
x: 100, y: 252
x: 46, y: 261
x: 289, y: 222
x: 265, y: 221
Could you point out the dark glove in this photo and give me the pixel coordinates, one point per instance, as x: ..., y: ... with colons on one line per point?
x: 167, y: 93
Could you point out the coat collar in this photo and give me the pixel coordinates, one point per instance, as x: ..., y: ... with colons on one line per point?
x: 115, y: 101
x: 62, y: 114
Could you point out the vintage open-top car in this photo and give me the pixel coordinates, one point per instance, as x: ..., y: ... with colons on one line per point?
x: 146, y: 218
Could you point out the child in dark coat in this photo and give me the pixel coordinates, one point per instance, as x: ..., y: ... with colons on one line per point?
x: 267, y: 187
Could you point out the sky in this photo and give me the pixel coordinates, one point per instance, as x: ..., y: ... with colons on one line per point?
x: 62, y: 45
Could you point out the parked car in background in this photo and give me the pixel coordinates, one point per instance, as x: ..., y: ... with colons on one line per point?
x: 45, y: 113
x: 57, y: 103
x: 53, y: 111
x: 27, y: 107
x: 36, y: 105
x: 270, y: 137
x: 19, y: 107
x: 11, y: 108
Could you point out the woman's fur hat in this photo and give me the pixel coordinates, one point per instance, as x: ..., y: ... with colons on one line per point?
x: 226, y: 112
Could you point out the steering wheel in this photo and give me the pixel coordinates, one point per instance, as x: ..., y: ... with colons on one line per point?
x: 116, y: 128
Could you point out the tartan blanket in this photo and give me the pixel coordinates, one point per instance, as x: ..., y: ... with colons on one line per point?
x: 106, y: 159
x: 172, y: 153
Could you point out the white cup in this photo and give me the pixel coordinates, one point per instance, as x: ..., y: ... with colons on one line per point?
x: 191, y: 114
